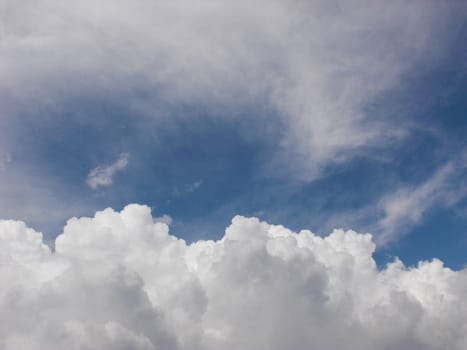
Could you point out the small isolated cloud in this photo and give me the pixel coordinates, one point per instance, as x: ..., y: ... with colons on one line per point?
x: 193, y: 186
x: 119, y: 280
x: 5, y: 158
x: 103, y: 175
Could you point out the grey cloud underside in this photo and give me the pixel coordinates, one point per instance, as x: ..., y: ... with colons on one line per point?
x: 318, y: 64
x: 119, y: 280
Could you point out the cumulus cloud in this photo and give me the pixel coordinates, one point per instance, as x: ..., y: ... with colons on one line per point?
x: 119, y: 280
x: 318, y: 65
x: 103, y: 175
x: 166, y: 219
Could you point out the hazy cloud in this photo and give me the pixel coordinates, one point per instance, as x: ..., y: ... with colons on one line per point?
x: 406, y: 206
x: 5, y: 158
x: 193, y: 186
x: 403, y: 206
x: 318, y: 65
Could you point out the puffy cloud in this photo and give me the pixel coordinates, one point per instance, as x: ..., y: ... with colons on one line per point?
x: 103, y: 175
x: 166, y: 219
x: 119, y: 280
x: 319, y: 65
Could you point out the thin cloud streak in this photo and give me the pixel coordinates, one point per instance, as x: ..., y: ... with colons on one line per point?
x: 193, y: 186
x: 394, y: 214
x: 405, y: 207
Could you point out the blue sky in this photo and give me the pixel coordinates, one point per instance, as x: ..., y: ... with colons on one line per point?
x: 362, y: 125
x: 248, y: 174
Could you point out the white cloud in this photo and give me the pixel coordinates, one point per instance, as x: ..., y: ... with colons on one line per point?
x: 103, y: 175
x: 319, y: 65
x: 403, y: 206
x: 406, y: 206
x: 121, y: 281
x: 166, y: 219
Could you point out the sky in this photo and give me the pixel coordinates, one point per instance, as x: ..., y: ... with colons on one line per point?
x: 171, y: 158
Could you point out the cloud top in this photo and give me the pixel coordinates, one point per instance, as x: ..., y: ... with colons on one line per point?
x: 119, y: 280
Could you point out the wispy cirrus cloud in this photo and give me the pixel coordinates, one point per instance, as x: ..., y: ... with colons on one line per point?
x: 192, y: 187
x: 405, y: 207
x: 103, y: 175
x: 318, y: 66
x: 395, y: 212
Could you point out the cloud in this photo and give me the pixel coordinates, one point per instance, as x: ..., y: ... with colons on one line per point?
x: 398, y: 210
x: 193, y: 186
x: 319, y: 66
x: 119, y: 280
x: 103, y: 175
x: 166, y: 219
x: 406, y: 206
x: 5, y: 158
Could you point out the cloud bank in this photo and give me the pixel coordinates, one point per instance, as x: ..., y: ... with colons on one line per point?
x: 119, y: 280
